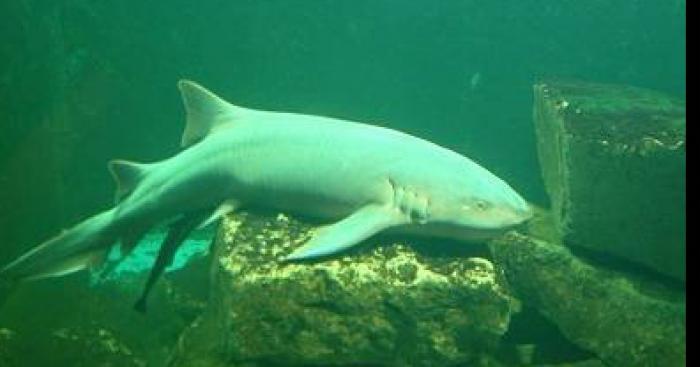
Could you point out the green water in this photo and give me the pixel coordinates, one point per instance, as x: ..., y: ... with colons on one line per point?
x: 83, y: 82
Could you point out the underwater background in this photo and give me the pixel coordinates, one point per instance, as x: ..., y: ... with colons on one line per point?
x: 83, y: 82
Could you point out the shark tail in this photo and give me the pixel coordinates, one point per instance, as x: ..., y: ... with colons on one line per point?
x: 86, y: 245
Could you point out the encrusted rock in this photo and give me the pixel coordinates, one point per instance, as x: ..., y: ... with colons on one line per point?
x: 613, y: 162
x: 589, y: 363
x: 379, y: 306
x: 79, y: 346
x: 623, y: 320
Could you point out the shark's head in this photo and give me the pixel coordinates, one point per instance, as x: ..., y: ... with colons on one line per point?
x: 480, y: 201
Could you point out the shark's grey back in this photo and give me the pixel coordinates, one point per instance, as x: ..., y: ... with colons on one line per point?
x: 285, y: 158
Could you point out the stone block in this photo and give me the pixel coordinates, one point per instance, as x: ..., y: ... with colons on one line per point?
x: 613, y: 163
x: 378, y: 306
x: 624, y: 321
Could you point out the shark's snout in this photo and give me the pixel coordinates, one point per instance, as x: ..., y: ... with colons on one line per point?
x: 524, y: 214
x: 513, y: 209
x: 523, y: 209
x: 520, y: 209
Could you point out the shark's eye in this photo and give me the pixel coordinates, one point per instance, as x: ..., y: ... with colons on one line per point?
x: 481, y: 205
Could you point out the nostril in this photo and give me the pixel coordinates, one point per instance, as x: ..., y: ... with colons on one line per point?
x: 524, y: 212
x: 524, y: 207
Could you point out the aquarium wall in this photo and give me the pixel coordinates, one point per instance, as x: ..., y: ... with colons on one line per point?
x: 82, y: 82
x: 578, y: 105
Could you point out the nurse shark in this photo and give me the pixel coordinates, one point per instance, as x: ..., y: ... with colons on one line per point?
x: 361, y: 179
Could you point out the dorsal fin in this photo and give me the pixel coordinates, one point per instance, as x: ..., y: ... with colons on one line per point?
x: 205, y: 111
x: 127, y: 176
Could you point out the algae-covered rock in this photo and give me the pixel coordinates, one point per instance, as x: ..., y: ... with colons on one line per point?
x: 613, y: 162
x: 624, y: 321
x: 589, y: 363
x: 80, y: 346
x: 379, y: 306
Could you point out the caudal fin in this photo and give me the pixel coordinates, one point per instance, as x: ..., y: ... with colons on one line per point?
x: 83, y: 246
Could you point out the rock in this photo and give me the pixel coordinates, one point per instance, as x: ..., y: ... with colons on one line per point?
x: 622, y: 320
x: 613, y: 162
x: 588, y: 363
x: 70, y: 322
x: 84, y: 344
x: 378, y: 306
x: 77, y: 346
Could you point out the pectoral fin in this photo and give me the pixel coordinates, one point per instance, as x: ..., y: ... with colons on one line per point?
x: 348, y: 232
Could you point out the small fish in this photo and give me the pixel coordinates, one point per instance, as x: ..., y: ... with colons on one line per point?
x: 474, y: 81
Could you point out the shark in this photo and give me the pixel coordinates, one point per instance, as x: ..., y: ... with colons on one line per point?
x: 358, y: 179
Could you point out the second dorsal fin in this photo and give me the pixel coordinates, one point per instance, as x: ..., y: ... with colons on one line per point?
x: 127, y: 176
